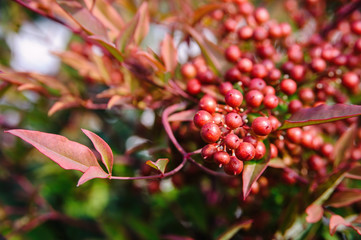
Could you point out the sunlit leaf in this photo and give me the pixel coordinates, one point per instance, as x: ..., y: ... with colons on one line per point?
x: 321, y: 114
x: 168, y: 53
x: 230, y: 232
x: 103, y: 148
x: 337, y: 220
x: 314, y: 213
x: 204, y: 10
x: 78, y: 11
x: 64, y: 103
x: 68, y: 154
x: 344, y: 198
x: 109, y: 46
x: 159, y: 165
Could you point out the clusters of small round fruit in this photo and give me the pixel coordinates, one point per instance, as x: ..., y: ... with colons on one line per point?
x: 261, y: 88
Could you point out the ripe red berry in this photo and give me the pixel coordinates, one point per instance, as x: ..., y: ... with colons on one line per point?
x: 257, y: 83
x: 254, y: 98
x: 306, y: 95
x: 188, y: 70
x: 289, y: 177
x: 233, y: 120
x: 250, y: 139
x: 356, y: 27
x: 218, y: 118
x: 270, y: 101
x: 260, y: 33
x: 245, y: 65
x: 233, y: 98
x: 224, y: 87
x: 206, y: 77
x: 194, y: 86
x: 273, y: 151
x: 286, y: 29
x: 327, y: 150
x: 208, y: 103
x: 232, y: 141
x: 288, y: 86
x: 201, y: 118
x: 274, y: 122
x: 318, y: 65
x: 230, y: 25
x: 294, y: 106
x: 208, y: 151
x: 273, y: 75
x: 261, y: 126
x: 350, y: 80
x: 233, y: 53
x: 357, y: 46
x: 261, y: 15
x: 260, y: 150
x: 210, y: 133
x: 275, y: 31
x: 298, y: 73
x: 233, y: 75
x: 294, y: 134
x: 245, y: 33
x: 269, y: 90
x: 316, y: 162
x: 259, y: 71
x: 245, y: 151
x: 234, y: 167
x: 246, y: 8
x: 221, y: 158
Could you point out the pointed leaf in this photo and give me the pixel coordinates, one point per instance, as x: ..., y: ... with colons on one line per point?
x: 92, y: 172
x: 335, y: 221
x: 230, y: 232
x: 87, y: 21
x: 64, y: 103
x: 354, y: 173
x: 182, y: 116
x: 321, y: 114
x: 343, y: 144
x: 159, y: 165
x: 66, y: 153
x: 103, y: 148
x: 204, y: 10
x: 253, y: 170
x: 314, y: 213
x: 344, y: 198
x: 109, y: 46
x: 168, y: 52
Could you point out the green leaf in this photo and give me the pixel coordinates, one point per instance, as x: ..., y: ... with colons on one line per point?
x: 321, y: 114
x: 109, y: 46
x: 343, y: 144
x: 230, y: 232
x: 159, y: 165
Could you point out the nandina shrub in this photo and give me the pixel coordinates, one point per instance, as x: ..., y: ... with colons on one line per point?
x: 263, y: 127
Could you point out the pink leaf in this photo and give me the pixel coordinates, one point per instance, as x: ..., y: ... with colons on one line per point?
x: 103, y: 148
x: 251, y: 173
x: 343, y: 144
x: 109, y: 46
x: 182, y: 116
x: 314, y: 213
x: 92, y: 172
x: 168, y: 52
x: 66, y: 153
x: 344, y: 198
x: 321, y: 114
x: 231, y: 231
x: 354, y: 173
x: 335, y: 221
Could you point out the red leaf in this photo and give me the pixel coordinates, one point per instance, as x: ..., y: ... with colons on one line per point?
x: 109, y: 46
x: 182, y: 116
x: 354, y: 173
x: 321, y: 114
x: 251, y: 173
x: 168, y: 52
x: 84, y: 17
x: 103, y: 148
x: 335, y: 221
x: 92, y: 172
x: 314, y: 213
x: 343, y: 144
x: 66, y: 153
x: 344, y: 198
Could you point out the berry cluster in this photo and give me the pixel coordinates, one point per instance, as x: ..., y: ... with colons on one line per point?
x: 272, y: 75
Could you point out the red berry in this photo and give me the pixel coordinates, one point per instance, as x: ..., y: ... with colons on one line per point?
x: 210, y: 133
x: 327, y: 150
x: 245, y: 33
x: 261, y: 15
x: 208, y: 103
x: 260, y: 150
x: 356, y: 27
x: 194, y: 86
x: 233, y: 98
x: 257, y: 83
x: 318, y: 65
x: 316, y: 162
x: 234, y: 167
x: 230, y: 25
x: 289, y: 177
x: 208, y: 151
x: 245, y: 151
x: 261, y: 126
x: 306, y: 95
x: 269, y: 90
x: 273, y: 150
x: 250, y: 139
x: 350, y: 80
x: 233, y: 120
x: 274, y: 122
x: 188, y: 70
x: 232, y: 141
x: 288, y: 86
x: 246, y: 8
x: 221, y: 158
x: 201, y: 118
x: 233, y: 53
x: 294, y: 106
x: 273, y: 75
x: 259, y: 71
x: 224, y: 87
x: 298, y: 72
x: 254, y: 98
x: 206, y: 77
x: 275, y: 31
x: 294, y: 134
x: 270, y: 101
x: 286, y: 29
x: 245, y: 65
x: 260, y: 33
x: 233, y: 75
x: 218, y: 118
